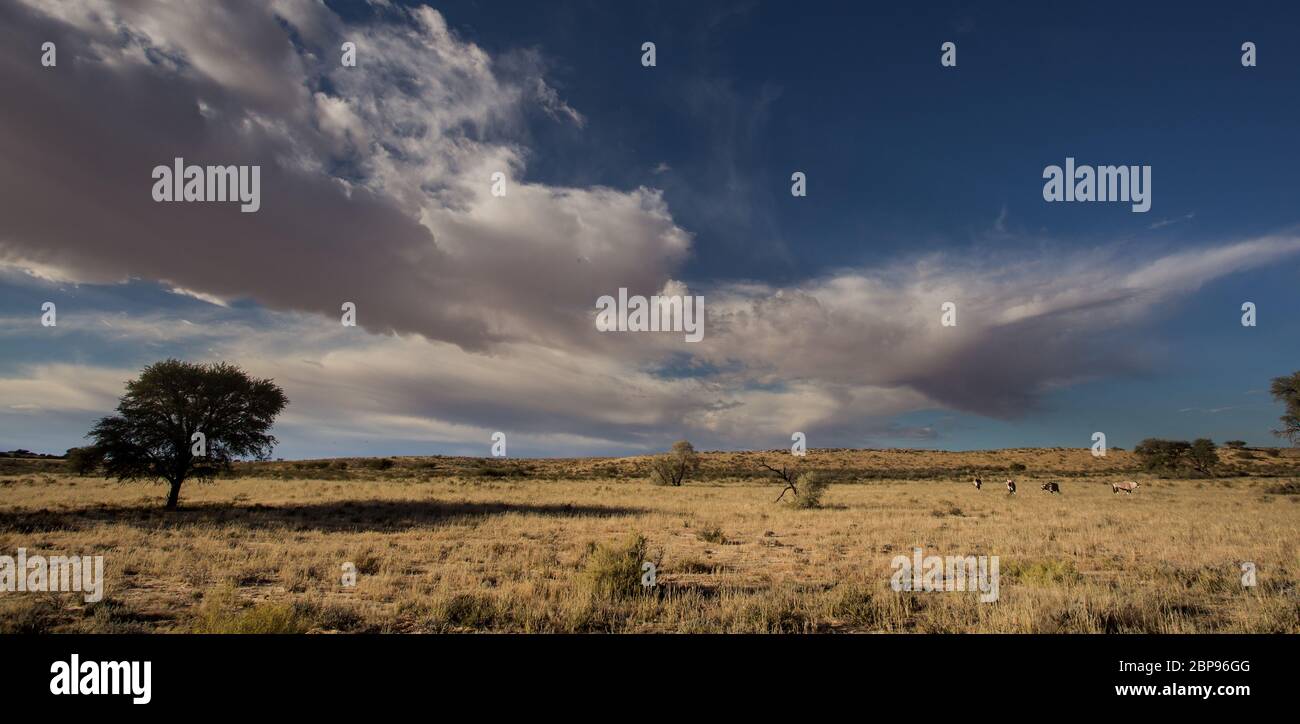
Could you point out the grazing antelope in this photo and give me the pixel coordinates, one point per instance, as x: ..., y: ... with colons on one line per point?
x: 978, y: 483
x: 1011, y: 487
x: 1127, y: 486
x: 1052, y: 488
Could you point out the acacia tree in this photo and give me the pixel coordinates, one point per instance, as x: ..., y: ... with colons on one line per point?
x: 181, y: 420
x: 1172, y: 456
x: 83, y: 461
x: 1203, y: 455
x: 672, y: 467
x: 1286, y: 389
x: 1162, y: 455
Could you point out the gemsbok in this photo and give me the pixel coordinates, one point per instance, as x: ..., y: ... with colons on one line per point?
x: 978, y: 483
x: 1127, y: 486
x: 1011, y: 487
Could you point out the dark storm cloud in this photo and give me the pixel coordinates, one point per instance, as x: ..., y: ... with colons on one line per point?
x: 137, y: 90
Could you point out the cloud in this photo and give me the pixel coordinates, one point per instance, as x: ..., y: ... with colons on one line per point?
x: 1025, y: 325
x: 1169, y: 222
x: 1000, y: 224
x: 839, y: 357
x: 63, y: 387
x: 477, y: 310
x: 210, y: 299
x: 375, y: 179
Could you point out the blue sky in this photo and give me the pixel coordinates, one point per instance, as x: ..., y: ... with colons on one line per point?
x: 906, y: 155
x: 924, y: 185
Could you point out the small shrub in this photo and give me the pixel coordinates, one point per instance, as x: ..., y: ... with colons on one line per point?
x: 109, y: 616
x: 273, y: 618
x: 1046, y: 572
x: 810, y: 486
x: 857, y: 606
x: 220, y: 613
x: 465, y: 610
x: 31, y: 614
x: 336, y: 617
x: 367, y: 562
x: 613, y: 570
x: 262, y: 618
x: 493, y: 470
x: 1206, y: 580
x: 712, y: 534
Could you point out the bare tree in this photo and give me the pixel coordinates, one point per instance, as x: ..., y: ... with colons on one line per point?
x: 806, y: 487
x: 789, y: 477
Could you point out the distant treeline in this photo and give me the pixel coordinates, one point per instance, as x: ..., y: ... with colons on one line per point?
x: 20, y: 453
x: 1166, y: 458
x: 1198, y: 458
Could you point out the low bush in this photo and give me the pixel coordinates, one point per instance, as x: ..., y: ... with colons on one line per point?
x: 810, y: 487
x: 613, y: 571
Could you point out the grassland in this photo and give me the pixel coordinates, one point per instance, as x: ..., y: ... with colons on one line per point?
x: 463, y: 544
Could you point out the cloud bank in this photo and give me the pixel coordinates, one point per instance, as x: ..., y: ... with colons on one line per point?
x: 478, y: 310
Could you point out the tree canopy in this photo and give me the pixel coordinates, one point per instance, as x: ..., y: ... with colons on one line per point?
x: 182, y: 420
x: 1171, y: 456
x: 1286, y: 389
x: 673, y: 467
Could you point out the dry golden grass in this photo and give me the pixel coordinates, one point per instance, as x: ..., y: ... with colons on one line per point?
x: 447, y: 544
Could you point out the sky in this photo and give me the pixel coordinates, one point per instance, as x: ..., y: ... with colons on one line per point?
x: 476, y: 312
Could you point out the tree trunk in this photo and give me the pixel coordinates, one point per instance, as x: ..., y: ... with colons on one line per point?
x: 173, y: 497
